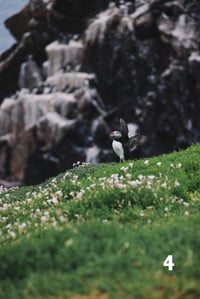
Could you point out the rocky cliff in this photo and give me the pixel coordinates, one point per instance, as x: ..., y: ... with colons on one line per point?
x: 77, y: 67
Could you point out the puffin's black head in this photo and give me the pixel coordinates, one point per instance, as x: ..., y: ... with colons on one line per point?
x: 115, y: 135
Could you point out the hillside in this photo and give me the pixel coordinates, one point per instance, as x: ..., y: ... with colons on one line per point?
x: 103, y: 231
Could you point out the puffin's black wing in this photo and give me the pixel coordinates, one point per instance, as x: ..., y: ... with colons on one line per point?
x: 133, y: 142
x: 124, y: 130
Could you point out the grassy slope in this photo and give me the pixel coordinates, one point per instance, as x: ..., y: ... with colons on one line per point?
x: 103, y: 231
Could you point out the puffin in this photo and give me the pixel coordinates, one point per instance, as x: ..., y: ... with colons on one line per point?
x: 122, y: 144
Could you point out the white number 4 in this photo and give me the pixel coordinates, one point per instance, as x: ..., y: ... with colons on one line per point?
x: 168, y: 262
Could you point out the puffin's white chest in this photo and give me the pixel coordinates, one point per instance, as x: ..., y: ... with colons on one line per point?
x: 118, y: 149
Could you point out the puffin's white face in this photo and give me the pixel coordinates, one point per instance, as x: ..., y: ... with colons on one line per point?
x: 115, y: 135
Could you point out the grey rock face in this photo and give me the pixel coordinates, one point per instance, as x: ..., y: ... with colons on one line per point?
x: 152, y: 75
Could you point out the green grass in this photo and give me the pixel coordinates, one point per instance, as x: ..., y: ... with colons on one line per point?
x: 103, y: 231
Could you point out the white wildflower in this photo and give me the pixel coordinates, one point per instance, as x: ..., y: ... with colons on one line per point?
x: 66, y: 175
x: 134, y: 183
x: 5, y: 206
x: 79, y: 194
x: 37, y: 211
x: 59, y: 193
x: 69, y: 242
x: 176, y: 183
x: 63, y: 219
x: 54, y: 224
x: 142, y: 214
x: 74, y: 179
x: 149, y: 184
x: 146, y: 162
x: 126, y: 245
x: 4, y: 218
x: 128, y: 175
x: 44, y: 218
x: 179, y: 165
x: 17, y: 208
x: 12, y: 234
x: 123, y: 168
x: 52, y: 200
x: 180, y: 201
x: 164, y: 185
x: 22, y: 226
x: 158, y: 164
x: 104, y: 178
x: 121, y: 186
x: 73, y: 182
x: 29, y: 200
x: 173, y: 200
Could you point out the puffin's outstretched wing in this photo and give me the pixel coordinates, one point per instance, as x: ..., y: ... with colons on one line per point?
x: 124, y: 130
x: 133, y: 142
